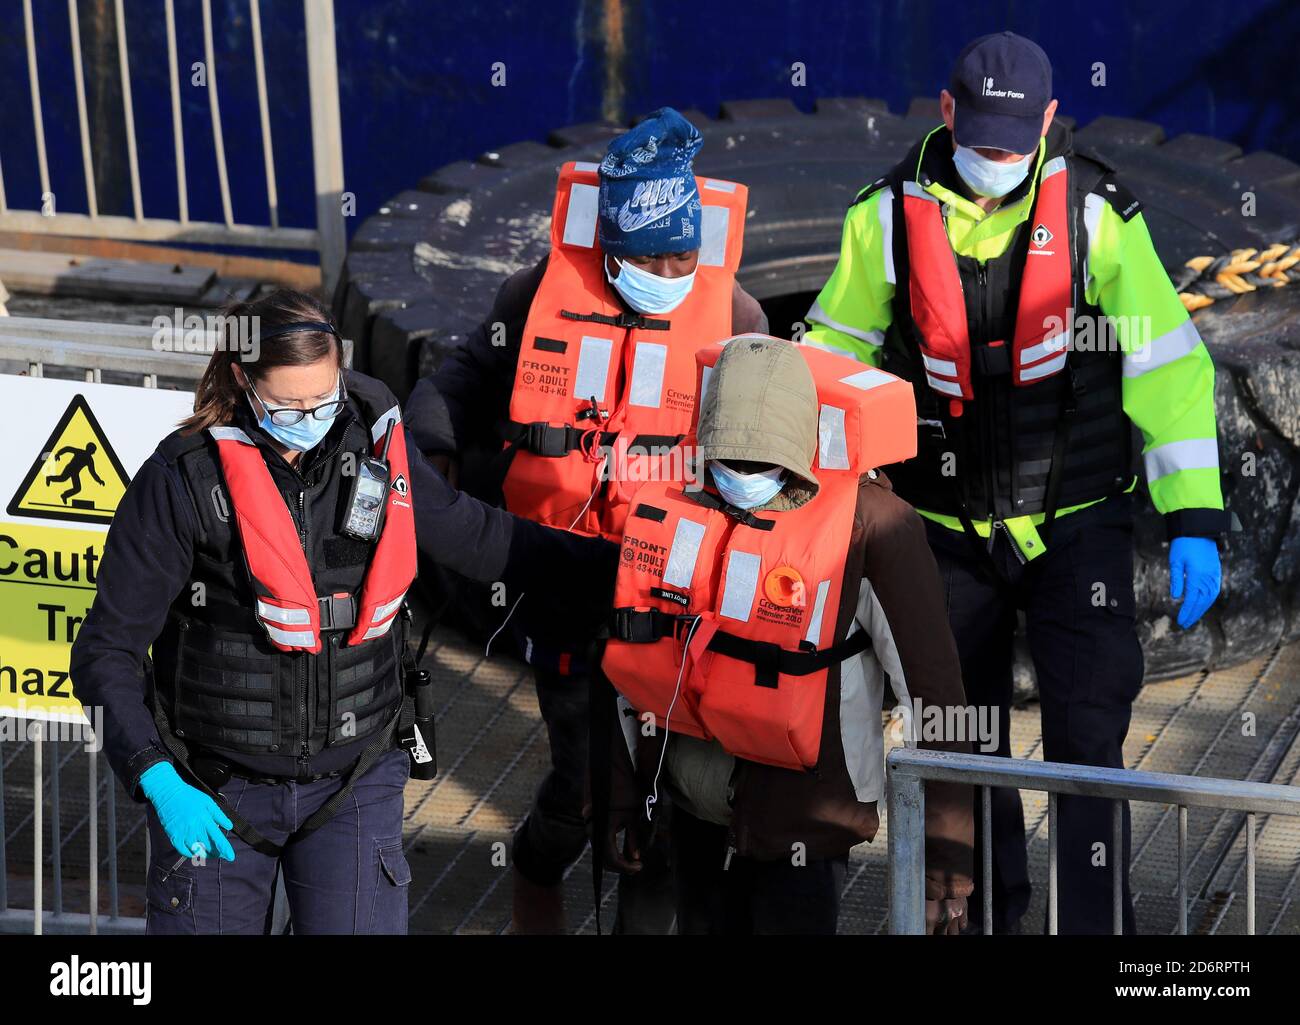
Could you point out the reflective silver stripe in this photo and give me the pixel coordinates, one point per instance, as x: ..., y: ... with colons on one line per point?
x: 947, y: 387
x: 832, y: 441
x: 377, y: 631
x: 1170, y: 346
x: 1045, y: 348
x: 885, y: 212
x: 914, y: 189
x: 818, y: 314
x: 719, y: 186
x: 1053, y: 166
x: 586, y: 165
x: 1193, y: 454
x: 291, y: 638
x: 834, y: 350
x: 714, y: 224
x: 819, y: 607
x: 648, y: 375
x: 593, y: 368
x: 740, y: 586
x: 380, y: 428
x: 580, y: 221
x: 705, y: 373
x: 939, y: 366
x: 680, y: 570
x: 289, y: 617
x: 867, y: 379
x: 1045, y: 369
x: 1092, y: 207
x: 229, y: 434
x: 384, y: 611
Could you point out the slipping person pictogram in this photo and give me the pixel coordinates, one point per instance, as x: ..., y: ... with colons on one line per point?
x: 82, y: 459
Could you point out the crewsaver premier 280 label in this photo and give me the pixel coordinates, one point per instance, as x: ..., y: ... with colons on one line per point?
x: 70, y: 451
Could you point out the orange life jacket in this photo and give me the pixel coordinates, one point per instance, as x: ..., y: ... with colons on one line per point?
x: 287, y: 604
x: 1043, y: 317
x: 598, y: 383
x: 727, y: 622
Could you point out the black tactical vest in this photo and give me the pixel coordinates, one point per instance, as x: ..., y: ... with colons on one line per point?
x: 996, y: 458
x: 220, y: 682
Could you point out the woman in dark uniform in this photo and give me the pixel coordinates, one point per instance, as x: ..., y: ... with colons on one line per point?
x: 249, y: 555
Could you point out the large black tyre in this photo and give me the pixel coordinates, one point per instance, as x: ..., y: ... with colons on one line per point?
x: 423, y: 271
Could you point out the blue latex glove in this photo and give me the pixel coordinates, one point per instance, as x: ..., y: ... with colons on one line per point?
x: 191, y: 819
x: 1197, y: 560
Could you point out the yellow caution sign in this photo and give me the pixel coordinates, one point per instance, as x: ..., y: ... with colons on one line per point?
x: 47, y: 585
x: 76, y: 475
x: 61, y: 496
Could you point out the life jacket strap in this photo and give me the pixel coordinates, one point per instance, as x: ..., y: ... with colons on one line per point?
x: 555, y: 441
x: 770, y: 660
x: 711, y: 500
x: 626, y: 320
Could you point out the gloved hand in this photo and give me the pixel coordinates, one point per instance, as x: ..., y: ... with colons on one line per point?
x: 190, y: 818
x: 1197, y: 560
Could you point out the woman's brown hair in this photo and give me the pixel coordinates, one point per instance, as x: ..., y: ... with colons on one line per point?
x: 242, y: 326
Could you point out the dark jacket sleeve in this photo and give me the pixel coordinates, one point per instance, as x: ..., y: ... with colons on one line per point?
x: 147, y: 561
x: 575, y: 573
x: 461, y: 405
x: 920, y: 650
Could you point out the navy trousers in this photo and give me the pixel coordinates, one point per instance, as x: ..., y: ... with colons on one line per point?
x: 347, y: 877
x: 1081, y: 626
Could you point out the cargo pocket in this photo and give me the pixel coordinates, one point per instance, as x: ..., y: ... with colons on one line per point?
x: 392, y: 887
x: 1104, y: 577
x: 170, y: 899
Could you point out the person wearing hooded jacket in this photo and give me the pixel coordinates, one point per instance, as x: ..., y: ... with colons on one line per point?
x: 652, y: 235
x: 758, y: 848
x: 257, y: 719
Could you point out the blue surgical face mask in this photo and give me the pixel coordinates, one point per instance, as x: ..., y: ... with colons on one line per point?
x: 746, y: 490
x: 987, y: 177
x: 649, y: 293
x: 303, y: 436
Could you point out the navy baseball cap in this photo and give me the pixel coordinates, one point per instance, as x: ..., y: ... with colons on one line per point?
x: 1002, y: 84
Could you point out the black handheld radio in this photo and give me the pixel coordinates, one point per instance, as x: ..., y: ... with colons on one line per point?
x: 366, y: 502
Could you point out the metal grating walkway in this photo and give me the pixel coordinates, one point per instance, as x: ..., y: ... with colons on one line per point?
x: 493, y: 751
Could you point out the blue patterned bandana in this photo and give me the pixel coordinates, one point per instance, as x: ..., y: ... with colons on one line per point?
x: 648, y: 200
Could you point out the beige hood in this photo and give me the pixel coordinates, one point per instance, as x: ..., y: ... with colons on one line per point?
x: 760, y: 404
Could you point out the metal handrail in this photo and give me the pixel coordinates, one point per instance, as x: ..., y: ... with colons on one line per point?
x: 328, y: 236
x: 910, y: 768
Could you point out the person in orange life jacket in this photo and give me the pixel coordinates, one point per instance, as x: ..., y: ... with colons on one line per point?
x: 970, y: 269
x: 274, y: 619
x: 642, y: 243
x: 761, y: 832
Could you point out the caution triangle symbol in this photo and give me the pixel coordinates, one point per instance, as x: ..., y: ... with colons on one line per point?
x: 76, y: 475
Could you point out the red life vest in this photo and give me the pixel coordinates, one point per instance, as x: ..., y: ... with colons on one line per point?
x: 287, y: 604
x: 759, y: 597
x: 595, y: 380
x: 1044, y: 315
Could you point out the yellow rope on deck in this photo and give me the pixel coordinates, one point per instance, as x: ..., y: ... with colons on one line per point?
x: 1243, y: 270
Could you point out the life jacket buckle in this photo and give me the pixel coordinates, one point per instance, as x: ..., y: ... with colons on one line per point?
x: 935, y: 425
x: 542, y: 439
x: 338, y: 611
x: 640, y: 322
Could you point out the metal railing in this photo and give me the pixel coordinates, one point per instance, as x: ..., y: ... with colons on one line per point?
x: 51, y: 762
x: 136, y: 353
x: 328, y: 238
x: 910, y: 768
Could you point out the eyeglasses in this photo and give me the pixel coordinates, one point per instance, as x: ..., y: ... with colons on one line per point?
x: 285, y: 416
